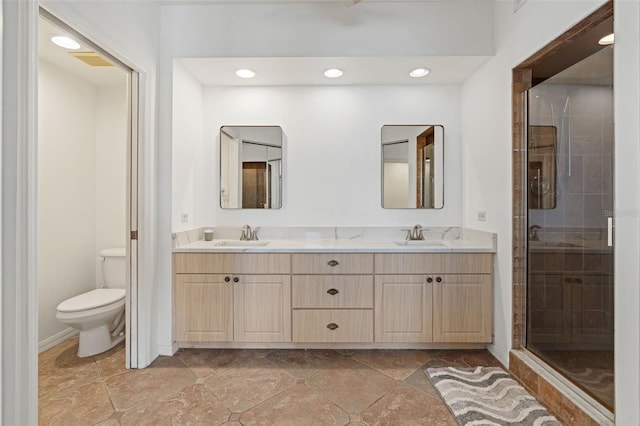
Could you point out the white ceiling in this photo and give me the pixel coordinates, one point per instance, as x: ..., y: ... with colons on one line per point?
x: 296, y: 71
x: 346, y: 2
x: 55, y: 55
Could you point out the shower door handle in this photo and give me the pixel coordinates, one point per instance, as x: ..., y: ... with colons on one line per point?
x: 610, y: 231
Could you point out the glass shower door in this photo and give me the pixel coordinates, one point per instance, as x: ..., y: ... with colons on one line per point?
x: 570, y: 203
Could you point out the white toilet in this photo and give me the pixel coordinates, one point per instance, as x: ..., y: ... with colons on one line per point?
x: 99, y: 314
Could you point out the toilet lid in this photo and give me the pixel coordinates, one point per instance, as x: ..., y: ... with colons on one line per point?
x: 92, y: 299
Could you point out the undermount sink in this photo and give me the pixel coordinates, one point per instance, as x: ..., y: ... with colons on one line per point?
x: 428, y: 243
x: 240, y: 243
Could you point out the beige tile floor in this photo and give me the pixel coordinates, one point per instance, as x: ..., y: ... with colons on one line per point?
x: 247, y: 387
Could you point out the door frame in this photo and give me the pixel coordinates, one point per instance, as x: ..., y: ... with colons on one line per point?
x: 131, y: 247
x: 19, y: 313
x: 522, y: 81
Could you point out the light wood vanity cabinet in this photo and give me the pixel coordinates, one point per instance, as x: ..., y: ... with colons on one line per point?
x: 390, y: 299
x: 224, y: 297
x: 332, y: 297
x: 443, y: 298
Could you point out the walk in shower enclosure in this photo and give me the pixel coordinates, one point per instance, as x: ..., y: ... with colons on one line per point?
x: 570, y: 164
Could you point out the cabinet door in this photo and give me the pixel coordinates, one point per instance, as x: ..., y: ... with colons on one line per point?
x: 203, y: 308
x: 403, y: 308
x: 462, y: 308
x: 262, y: 308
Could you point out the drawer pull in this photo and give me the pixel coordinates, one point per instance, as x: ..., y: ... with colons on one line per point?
x: 227, y: 279
x: 333, y: 263
x: 429, y: 280
x: 438, y: 279
x: 333, y: 291
x: 332, y: 326
x: 236, y: 279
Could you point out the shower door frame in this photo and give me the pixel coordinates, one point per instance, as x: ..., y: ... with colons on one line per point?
x: 522, y: 81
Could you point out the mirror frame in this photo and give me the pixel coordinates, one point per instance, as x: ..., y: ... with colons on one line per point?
x: 382, y: 163
x: 281, y: 171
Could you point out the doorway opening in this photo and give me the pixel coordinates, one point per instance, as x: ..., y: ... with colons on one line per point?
x: 562, y: 207
x: 87, y: 182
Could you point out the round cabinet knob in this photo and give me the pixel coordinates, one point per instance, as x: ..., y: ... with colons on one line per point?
x: 236, y: 279
x: 429, y: 280
x: 333, y: 291
x: 332, y: 326
x: 438, y: 279
x: 333, y: 263
x: 227, y: 279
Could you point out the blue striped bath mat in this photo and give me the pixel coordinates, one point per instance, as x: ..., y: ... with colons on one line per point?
x: 488, y: 396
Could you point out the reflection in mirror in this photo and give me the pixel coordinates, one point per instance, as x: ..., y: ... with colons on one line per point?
x: 250, y: 167
x: 413, y: 167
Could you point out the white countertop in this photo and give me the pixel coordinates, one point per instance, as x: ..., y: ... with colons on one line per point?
x: 464, y: 241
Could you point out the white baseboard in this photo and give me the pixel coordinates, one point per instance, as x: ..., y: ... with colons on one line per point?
x: 56, y: 339
x: 167, y: 350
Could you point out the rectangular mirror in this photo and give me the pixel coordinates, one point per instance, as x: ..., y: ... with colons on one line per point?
x: 250, y: 167
x: 412, y: 166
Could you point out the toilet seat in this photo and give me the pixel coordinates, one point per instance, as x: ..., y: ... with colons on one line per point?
x: 92, y: 300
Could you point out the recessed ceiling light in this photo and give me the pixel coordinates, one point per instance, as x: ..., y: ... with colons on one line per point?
x: 606, y: 40
x: 66, y: 42
x: 333, y: 73
x: 419, y: 72
x: 245, y: 73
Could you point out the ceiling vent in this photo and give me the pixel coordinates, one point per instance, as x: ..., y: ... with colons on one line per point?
x: 92, y: 59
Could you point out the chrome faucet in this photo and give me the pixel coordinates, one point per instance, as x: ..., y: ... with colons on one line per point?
x: 415, y: 233
x: 533, y: 232
x: 247, y: 234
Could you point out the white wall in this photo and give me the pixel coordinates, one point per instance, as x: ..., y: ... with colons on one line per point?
x: 66, y: 193
x: 81, y: 187
x: 192, y: 186
x: 332, y: 151
x: 110, y: 170
x: 486, y: 134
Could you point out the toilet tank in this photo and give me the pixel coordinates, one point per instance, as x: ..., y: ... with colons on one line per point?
x: 114, y: 270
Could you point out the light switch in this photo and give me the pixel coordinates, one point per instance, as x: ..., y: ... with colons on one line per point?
x: 185, y: 217
x: 482, y: 216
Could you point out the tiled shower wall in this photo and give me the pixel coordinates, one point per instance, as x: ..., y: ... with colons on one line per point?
x: 570, y: 298
x: 584, y: 161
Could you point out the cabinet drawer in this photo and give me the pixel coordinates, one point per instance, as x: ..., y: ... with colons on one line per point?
x: 432, y: 263
x: 332, y: 263
x: 332, y: 291
x: 232, y: 263
x: 333, y: 325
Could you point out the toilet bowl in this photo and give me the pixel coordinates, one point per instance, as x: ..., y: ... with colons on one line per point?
x: 99, y: 314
